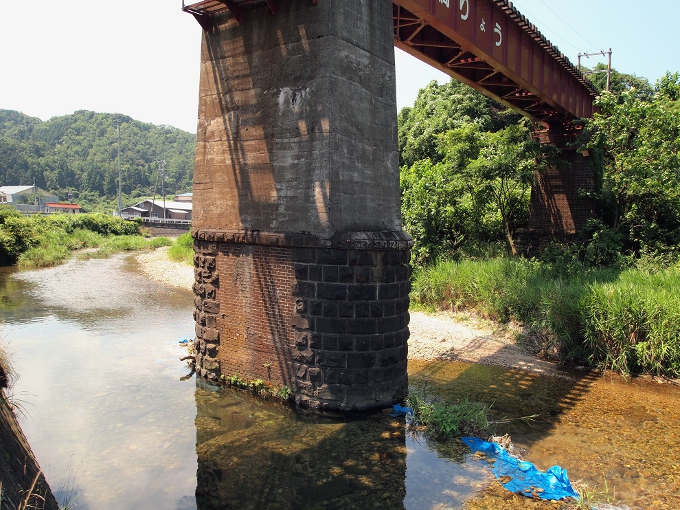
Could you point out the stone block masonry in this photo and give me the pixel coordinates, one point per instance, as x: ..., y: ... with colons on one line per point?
x: 302, y: 273
x: 329, y: 322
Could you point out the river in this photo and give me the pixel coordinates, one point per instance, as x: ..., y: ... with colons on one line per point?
x: 114, y: 425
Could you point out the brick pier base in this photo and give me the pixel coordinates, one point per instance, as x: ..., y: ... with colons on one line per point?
x: 329, y: 319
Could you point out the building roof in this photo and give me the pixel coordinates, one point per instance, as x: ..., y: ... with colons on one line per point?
x: 62, y: 206
x: 185, y: 195
x: 13, y: 190
x: 183, y: 206
x: 135, y: 208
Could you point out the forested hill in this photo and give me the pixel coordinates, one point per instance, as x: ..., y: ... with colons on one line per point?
x: 79, y: 152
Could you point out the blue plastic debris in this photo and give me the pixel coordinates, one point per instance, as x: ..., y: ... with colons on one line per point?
x: 185, y: 340
x: 398, y: 410
x: 523, y: 477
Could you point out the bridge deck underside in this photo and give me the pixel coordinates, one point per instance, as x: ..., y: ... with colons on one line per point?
x: 519, y: 68
x: 526, y: 73
x: 423, y: 41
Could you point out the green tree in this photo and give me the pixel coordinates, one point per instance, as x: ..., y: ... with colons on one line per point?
x: 640, y: 140
x: 620, y: 82
x: 441, y: 108
x: 503, y: 173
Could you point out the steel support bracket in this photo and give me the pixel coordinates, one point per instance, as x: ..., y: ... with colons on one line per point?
x: 234, y: 9
x: 203, y: 20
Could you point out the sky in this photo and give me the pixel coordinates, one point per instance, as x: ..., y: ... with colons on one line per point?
x: 141, y: 58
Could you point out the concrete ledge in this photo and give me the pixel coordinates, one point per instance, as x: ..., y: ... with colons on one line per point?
x: 362, y: 240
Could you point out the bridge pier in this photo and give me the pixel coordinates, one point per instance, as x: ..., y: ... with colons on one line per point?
x: 302, y: 273
x: 559, y: 207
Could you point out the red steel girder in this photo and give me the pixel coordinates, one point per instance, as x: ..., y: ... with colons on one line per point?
x: 486, y: 44
x: 494, y: 39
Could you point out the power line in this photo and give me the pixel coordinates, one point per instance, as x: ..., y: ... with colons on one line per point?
x: 544, y: 28
x: 568, y: 25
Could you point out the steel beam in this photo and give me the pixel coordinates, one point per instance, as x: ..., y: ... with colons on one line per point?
x: 496, y: 39
x: 474, y: 41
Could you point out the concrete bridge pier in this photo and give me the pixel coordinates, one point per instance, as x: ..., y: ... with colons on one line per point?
x: 302, y: 269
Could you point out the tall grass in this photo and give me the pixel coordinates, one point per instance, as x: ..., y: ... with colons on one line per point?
x: 633, y: 324
x: 627, y: 320
x: 183, y: 249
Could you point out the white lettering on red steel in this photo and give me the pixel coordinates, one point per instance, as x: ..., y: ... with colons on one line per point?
x: 497, y: 30
x: 447, y: 3
x: 465, y: 3
x: 482, y: 25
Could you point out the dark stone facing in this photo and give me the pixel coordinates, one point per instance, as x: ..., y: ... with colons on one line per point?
x: 356, y: 305
x: 340, y: 321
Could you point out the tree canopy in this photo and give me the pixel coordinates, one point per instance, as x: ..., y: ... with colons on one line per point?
x: 78, y: 152
x: 639, y: 139
x: 467, y: 168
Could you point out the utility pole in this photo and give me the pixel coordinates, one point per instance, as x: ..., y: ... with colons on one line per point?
x: 120, y: 179
x: 609, y: 65
x: 165, y: 215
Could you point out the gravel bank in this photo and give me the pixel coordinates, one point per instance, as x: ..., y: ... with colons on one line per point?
x: 442, y: 336
x: 157, y: 266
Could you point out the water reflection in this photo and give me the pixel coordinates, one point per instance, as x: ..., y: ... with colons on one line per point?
x: 254, y: 454
x: 101, y: 379
x: 97, y: 349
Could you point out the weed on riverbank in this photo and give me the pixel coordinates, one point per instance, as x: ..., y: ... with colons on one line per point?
x: 626, y: 319
x: 182, y: 250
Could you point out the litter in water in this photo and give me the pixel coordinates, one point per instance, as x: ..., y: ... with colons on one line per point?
x: 523, y: 477
x: 398, y: 410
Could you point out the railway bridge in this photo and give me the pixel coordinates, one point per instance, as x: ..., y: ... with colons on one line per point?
x: 302, y: 268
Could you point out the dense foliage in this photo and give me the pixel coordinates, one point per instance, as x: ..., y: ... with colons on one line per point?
x: 468, y: 164
x: 605, y: 299
x: 39, y: 241
x: 639, y: 139
x: 78, y: 152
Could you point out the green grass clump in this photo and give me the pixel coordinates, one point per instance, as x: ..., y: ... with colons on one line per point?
x: 449, y: 420
x: 115, y: 244
x: 633, y: 324
x: 44, y: 256
x: 182, y: 250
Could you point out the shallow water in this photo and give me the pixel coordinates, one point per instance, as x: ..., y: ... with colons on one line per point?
x: 97, y: 348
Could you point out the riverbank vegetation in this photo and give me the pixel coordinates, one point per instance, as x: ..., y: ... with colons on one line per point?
x: 42, y: 241
x: 78, y: 153
x: 182, y: 250
x: 603, y: 298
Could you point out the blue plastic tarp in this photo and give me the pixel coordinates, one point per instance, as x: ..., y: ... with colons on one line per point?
x: 523, y: 477
x: 398, y: 410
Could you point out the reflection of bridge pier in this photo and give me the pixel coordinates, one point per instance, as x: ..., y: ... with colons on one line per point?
x: 302, y: 268
x: 254, y: 454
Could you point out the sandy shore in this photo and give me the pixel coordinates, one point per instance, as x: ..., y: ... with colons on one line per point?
x: 442, y: 336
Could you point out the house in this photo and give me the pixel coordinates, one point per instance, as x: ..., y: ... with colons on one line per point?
x: 151, y: 209
x: 55, y: 207
x: 31, y: 195
x: 184, y: 197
